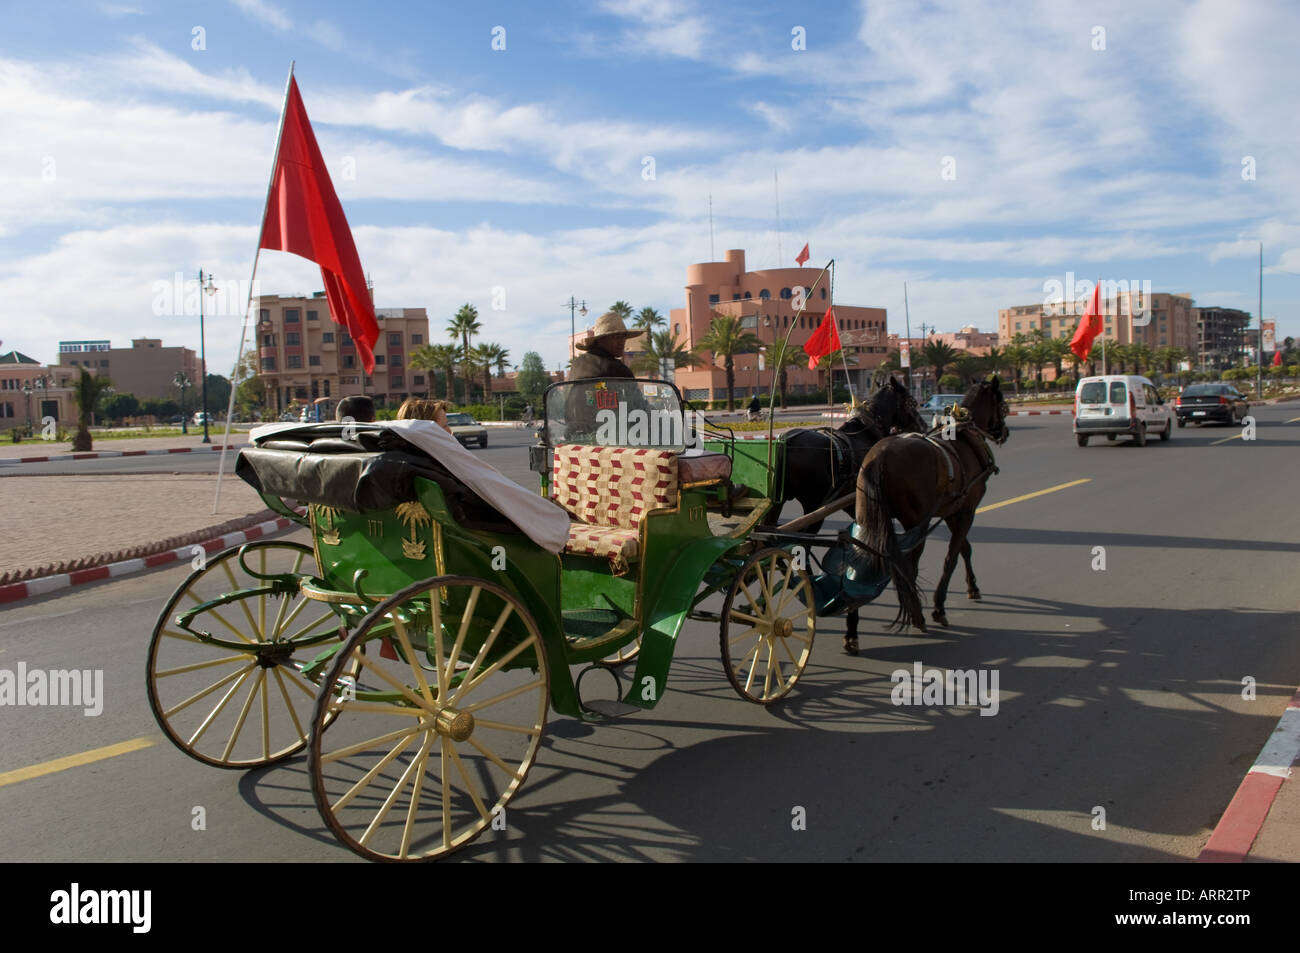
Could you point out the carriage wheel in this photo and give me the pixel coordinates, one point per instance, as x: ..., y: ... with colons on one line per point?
x: 624, y: 655
x: 422, y: 762
x: 245, y: 706
x: 768, y: 624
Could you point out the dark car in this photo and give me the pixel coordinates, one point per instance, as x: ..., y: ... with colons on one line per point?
x: 1201, y: 402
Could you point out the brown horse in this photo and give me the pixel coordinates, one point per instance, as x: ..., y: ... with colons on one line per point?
x: 918, y: 479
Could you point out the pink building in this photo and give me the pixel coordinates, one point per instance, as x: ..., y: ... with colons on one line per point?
x: 765, y: 303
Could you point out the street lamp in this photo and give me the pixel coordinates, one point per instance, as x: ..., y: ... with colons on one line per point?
x: 203, y: 357
x: 181, y: 381
x: 573, y: 331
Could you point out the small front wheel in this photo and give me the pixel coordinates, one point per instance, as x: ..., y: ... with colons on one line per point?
x: 769, y: 620
x: 1081, y: 439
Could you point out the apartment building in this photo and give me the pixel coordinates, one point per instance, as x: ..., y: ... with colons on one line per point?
x: 145, y: 369
x: 1220, y: 337
x: 303, y: 356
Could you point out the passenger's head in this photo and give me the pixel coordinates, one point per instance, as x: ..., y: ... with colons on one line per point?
x: 360, y: 408
x: 418, y: 408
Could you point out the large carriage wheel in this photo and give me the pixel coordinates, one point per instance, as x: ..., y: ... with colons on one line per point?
x: 421, y: 762
x: 243, y: 701
x: 768, y: 624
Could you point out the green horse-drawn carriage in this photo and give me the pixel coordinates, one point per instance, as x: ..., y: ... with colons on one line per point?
x: 416, y: 646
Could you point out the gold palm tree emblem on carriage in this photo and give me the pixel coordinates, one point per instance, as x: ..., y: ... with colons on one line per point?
x: 413, y: 515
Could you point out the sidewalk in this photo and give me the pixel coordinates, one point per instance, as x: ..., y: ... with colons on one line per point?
x: 1262, y: 822
x: 133, y: 445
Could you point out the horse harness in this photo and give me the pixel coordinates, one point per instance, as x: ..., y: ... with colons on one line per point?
x: 948, y: 452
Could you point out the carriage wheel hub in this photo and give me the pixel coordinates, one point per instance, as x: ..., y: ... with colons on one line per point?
x: 457, y: 725
x: 783, y: 628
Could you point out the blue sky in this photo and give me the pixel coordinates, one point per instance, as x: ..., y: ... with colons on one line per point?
x: 130, y: 154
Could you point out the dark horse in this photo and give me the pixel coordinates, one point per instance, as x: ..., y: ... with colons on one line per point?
x: 915, y: 479
x: 820, y: 464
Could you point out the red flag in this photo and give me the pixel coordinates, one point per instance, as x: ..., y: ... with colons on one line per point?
x: 825, y: 340
x: 303, y: 216
x: 803, y: 256
x: 1089, y: 326
x: 1277, y: 358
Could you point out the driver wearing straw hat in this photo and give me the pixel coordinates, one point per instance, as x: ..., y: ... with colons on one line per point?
x: 604, y: 347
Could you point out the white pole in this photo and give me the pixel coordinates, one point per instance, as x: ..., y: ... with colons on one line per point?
x: 257, y: 254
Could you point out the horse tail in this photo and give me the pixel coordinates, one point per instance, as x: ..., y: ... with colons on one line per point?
x: 885, y: 558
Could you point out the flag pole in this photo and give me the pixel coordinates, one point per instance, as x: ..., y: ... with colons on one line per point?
x: 248, y: 305
x: 1103, y: 329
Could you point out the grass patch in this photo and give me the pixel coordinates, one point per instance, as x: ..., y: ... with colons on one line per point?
x: 761, y: 425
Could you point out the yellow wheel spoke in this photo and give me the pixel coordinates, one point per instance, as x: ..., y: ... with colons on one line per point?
x: 363, y: 745
x: 243, y: 714
x: 469, y: 785
x: 749, y: 682
x: 222, y: 619
x: 446, y: 794
x: 502, y: 726
x: 751, y: 631
x: 235, y: 587
x: 329, y: 618
x: 288, y: 620
x: 194, y: 667
x: 209, y: 690
x: 183, y: 636
x: 440, y: 663
x: 472, y: 676
x: 212, y: 715
x: 468, y: 686
x: 284, y: 693
x: 751, y: 619
x: 399, y: 627
x: 454, y: 657
x: 298, y: 681
x: 266, y: 718
x: 414, y: 807
x: 495, y: 759
x: 378, y: 708
x: 764, y: 583
x: 536, y: 683
x: 406, y: 692
x: 389, y: 801
x: 367, y: 778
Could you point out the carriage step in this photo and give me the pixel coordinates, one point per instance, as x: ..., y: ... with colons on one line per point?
x: 610, y: 708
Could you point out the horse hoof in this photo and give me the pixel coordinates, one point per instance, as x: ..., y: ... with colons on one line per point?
x: 851, y: 646
x: 973, y: 594
x: 940, y: 617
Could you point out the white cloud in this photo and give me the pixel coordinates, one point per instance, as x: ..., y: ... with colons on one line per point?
x: 266, y: 13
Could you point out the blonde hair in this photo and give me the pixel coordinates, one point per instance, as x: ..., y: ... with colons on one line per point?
x: 418, y: 408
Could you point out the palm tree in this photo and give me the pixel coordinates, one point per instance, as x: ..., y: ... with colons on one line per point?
x: 1058, y: 350
x: 662, y: 346
x: 490, y: 356
x: 88, y: 391
x: 969, y: 368
x: 726, y: 337
x: 840, y: 357
x: 938, y: 355
x: 1040, y: 353
x: 994, y: 360
x: 440, y: 356
x: 1015, y: 356
x: 780, y: 357
x: 1119, y: 355
x: 464, y: 326
x: 622, y: 309
x: 647, y: 319
x: 1141, y: 355
x: 1095, y: 355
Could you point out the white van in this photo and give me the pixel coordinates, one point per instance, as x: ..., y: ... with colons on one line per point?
x: 1120, y: 405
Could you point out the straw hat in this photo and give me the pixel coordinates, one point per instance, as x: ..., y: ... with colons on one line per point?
x: 608, y: 325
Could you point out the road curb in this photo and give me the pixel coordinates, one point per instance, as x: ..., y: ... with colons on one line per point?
x: 1241, y: 823
x: 61, y: 458
x: 42, y: 585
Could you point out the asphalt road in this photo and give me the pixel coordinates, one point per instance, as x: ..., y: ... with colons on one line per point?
x: 1119, y: 689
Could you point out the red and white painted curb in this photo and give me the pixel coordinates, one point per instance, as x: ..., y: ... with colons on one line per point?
x: 1010, y: 413
x: 47, y: 584
x: 1244, y: 818
x: 120, y: 453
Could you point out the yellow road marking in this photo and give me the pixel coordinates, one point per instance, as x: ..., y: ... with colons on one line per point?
x: 1214, y: 443
x: 1292, y: 420
x: 1030, y: 496
x: 73, y: 761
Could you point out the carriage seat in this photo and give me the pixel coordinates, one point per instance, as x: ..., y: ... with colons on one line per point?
x: 607, y: 491
x: 702, y: 467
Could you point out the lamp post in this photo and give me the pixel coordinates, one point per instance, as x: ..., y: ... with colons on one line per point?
x: 27, y: 392
x: 181, y: 381
x: 203, y: 356
x: 573, y: 331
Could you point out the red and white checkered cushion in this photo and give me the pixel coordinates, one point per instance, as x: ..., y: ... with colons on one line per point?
x: 613, y: 486
x: 612, y: 542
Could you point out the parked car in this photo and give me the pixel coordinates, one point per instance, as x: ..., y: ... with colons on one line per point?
x: 178, y: 419
x: 467, y: 430
x: 200, y: 417
x: 938, y: 405
x: 1120, y: 405
x: 1201, y: 402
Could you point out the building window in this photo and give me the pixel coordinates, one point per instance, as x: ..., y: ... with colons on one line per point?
x: 264, y: 316
x: 764, y: 294
x: 395, y: 380
x: 714, y: 299
x: 345, y: 338
x: 394, y: 360
x: 327, y: 387
x: 823, y: 294
x: 327, y: 337
x: 268, y: 363
x: 785, y: 292
x: 268, y: 340
x: 748, y: 296
x: 314, y: 361
x: 301, y: 393
x: 293, y: 361
x: 290, y: 315
x: 6, y: 410
x: 417, y: 380
x: 379, y: 358
x: 417, y: 339
x: 677, y: 329
x: 736, y: 296
x: 311, y: 316
x: 291, y: 339
x: 394, y: 340
x: 349, y: 361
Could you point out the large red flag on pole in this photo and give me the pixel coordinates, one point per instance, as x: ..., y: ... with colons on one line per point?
x: 303, y: 216
x: 825, y: 340
x: 1277, y: 358
x: 1089, y: 326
